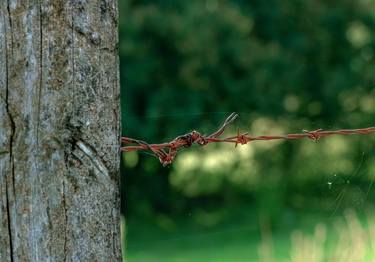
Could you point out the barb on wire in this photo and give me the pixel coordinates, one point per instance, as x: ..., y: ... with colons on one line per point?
x: 166, y: 152
x: 313, y: 135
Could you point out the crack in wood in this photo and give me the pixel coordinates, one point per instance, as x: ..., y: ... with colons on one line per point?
x: 40, y: 71
x: 9, y: 222
x: 11, y: 138
x: 10, y: 25
x: 66, y: 217
x: 67, y: 155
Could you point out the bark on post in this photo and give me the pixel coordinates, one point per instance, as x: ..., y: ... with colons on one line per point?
x: 59, y: 131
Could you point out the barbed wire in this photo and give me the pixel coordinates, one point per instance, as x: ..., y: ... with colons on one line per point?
x: 166, y: 152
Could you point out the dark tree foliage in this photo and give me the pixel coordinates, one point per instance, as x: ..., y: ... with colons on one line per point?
x: 185, y: 64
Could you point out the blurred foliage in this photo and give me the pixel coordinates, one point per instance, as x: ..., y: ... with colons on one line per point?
x: 283, y: 66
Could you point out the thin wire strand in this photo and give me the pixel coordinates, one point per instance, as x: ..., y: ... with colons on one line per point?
x: 166, y: 152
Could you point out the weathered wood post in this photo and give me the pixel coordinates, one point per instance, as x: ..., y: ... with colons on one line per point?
x: 59, y: 131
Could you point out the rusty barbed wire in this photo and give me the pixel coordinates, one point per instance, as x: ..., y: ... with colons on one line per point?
x: 166, y: 152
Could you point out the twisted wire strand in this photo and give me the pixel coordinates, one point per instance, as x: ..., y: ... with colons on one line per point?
x: 166, y: 152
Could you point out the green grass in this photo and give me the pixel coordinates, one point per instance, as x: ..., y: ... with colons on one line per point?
x: 224, y: 245
x: 237, y: 237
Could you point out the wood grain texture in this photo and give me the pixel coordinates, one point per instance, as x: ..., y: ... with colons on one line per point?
x: 59, y: 131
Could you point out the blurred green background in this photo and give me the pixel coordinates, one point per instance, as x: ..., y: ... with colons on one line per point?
x: 283, y: 65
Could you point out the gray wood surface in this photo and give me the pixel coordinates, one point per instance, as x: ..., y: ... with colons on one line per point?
x: 59, y: 131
